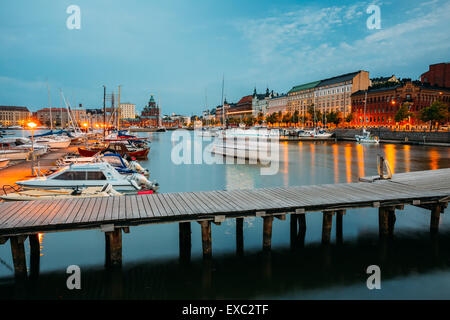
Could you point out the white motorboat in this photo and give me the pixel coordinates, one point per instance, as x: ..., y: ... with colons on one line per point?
x: 366, y: 137
x: 19, y: 148
x: 90, y: 175
x: 321, y: 134
x: 53, y: 142
x: 252, y: 132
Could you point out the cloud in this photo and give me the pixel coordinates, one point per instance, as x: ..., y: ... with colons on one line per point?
x: 327, y: 41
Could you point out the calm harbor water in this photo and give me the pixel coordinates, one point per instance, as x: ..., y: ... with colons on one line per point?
x: 413, y: 265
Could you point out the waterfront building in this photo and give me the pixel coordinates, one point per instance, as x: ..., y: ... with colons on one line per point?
x: 127, y: 110
x: 260, y: 102
x: 243, y: 108
x: 60, y: 116
x: 383, y: 80
x: 438, y: 75
x: 383, y: 103
x: 218, y: 115
x: 334, y: 94
x: 13, y: 115
x: 151, y: 114
x: 331, y: 94
x: 277, y: 103
x: 94, y: 117
x: 300, y: 98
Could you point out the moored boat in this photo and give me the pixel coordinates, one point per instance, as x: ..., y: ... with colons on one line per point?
x: 90, y: 175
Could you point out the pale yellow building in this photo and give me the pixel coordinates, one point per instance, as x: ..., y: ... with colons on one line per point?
x: 127, y: 110
x: 14, y: 116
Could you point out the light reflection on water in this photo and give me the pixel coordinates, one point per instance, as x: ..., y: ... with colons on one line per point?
x: 150, y: 252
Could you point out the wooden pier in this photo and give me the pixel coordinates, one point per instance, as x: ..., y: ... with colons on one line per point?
x: 114, y: 215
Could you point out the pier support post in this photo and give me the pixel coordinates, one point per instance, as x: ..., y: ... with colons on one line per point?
x: 267, y: 233
x: 391, y: 220
x: 185, y: 241
x: 383, y: 221
x: 113, y: 248
x: 240, y: 236
x: 326, y: 227
x: 18, y: 255
x: 435, y: 216
x: 35, y: 255
x: 339, y: 232
x: 206, y: 238
x: 294, y: 232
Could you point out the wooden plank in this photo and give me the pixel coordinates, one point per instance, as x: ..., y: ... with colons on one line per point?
x: 32, y: 214
x: 142, y: 210
x: 103, y: 208
x: 134, y: 207
x: 12, y: 213
x: 164, y: 212
x: 89, y: 210
x: 68, y: 212
x: 150, y: 198
x: 183, y: 207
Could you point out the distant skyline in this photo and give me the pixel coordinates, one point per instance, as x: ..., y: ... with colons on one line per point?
x: 179, y: 50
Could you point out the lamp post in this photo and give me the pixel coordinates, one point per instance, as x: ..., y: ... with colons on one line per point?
x: 32, y: 125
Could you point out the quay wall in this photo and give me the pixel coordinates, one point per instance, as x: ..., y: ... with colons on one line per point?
x: 404, y: 136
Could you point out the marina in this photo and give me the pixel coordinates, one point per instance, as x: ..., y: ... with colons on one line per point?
x: 234, y: 157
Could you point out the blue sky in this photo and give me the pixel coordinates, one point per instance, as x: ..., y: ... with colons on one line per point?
x: 179, y: 50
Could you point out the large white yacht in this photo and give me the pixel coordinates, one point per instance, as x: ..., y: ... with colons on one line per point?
x: 90, y: 175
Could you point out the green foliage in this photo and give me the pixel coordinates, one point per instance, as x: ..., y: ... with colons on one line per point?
x: 333, y: 117
x: 349, y: 118
x: 403, y: 112
x: 437, y: 112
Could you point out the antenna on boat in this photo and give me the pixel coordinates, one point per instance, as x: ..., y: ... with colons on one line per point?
x: 50, y: 107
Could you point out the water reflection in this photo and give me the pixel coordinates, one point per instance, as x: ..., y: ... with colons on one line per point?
x: 280, y: 273
x: 390, y: 151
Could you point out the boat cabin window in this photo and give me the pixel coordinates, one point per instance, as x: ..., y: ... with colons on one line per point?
x: 81, y: 175
x: 72, y: 175
x: 95, y: 175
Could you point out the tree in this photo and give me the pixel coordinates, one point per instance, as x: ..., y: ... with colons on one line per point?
x: 260, y: 118
x: 318, y: 114
x: 349, y: 118
x: 333, y: 117
x: 295, y: 117
x: 403, y: 112
x: 436, y: 112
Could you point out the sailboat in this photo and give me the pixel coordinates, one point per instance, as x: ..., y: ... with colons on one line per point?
x: 365, y: 137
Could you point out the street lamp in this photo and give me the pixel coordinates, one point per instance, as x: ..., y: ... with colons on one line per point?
x: 32, y: 125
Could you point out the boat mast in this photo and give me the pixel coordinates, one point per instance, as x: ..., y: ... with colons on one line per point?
x: 118, y: 113
x: 223, y: 102
x: 50, y: 106
x: 365, y: 104
x: 104, y: 111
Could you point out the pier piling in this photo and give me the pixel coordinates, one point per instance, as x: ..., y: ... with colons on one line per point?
x: 113, y: 248
x: 35, y: 255
x: 206, y: 238
x: 435, y: 217
x: 383, y: 221
x: 240, y: 236
x: 18, y: 255
x: 185, y: 241
x: 267, y: 232
x: 339, y: 232
x: 294, y: 233
x: 326, y: 226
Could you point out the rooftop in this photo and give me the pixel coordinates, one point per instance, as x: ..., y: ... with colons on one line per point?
x: 13, y: 108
